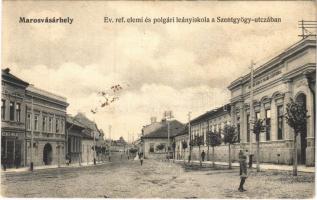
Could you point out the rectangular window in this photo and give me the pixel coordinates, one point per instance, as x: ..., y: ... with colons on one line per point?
x: 50, y: 124
x: 257, y: 116
x: 44, y: 124
x: 280, y: 123
x: 3, y: 109
x: 11, y: 110
x: 62, y: 126
x: 268, y: 124
x: 57, y: 126
x: 151, y: 147
x: 18, y: 112
x: 248, y: 127
x: 36, y: 122
x: 28, y: 121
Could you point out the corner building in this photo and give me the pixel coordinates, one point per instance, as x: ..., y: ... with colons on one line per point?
x: 291, y: 74
x: 12, y: 119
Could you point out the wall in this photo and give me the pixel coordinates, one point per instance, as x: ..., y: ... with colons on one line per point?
x: 87, y: 151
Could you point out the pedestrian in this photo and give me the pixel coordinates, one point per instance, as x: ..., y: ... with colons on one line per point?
x: 203, y: 155
x: 244, y: 172
x: 141, y: 158
x: 67, y: 159
x: 4, y: 163
x: 17, y: 161
x: 240, y: 158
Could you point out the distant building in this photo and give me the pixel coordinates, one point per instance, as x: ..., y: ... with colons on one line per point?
x: 213, y: 120
x: 119, y: 145
x: 13, y: 108
x: 46, y: 118
x: 155, y: 143
x: 93, y: 136
x: 151, y: 127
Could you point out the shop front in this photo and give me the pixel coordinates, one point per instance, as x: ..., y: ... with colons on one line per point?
x: 12, y: 145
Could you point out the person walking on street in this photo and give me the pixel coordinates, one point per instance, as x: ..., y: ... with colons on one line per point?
x: 141, y: 158
x: 240, y: 158
x: 4, y: 163
x: 203, y: 156
x: 244, y: 172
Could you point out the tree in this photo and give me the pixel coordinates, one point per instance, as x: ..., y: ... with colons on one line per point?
x: 258, y: 127
x: 199, y: 140
x: 296, y: 118
x: 230, y: 137
x: 133, y: 150
x: 160, y: 147
x: 184, y: 146
x: 214, y: 140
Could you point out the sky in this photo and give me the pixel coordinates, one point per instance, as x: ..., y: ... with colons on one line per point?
x: 180, y: 67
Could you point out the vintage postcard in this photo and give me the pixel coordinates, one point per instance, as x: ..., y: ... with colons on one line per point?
x: 158, y: 99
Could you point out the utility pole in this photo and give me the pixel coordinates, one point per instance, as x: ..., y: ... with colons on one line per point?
x: 251, y: 120
x: 168, y: 116
x: 308, y: 28
x: 32, y: 127
x: 189, y: 136
x: 110, y: 143
x: 128, y: 145
x: 94, y: 144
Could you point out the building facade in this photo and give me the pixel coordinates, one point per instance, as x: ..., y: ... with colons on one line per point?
x: 92, y: 136
x: 13, y: 109
x: 214, y: 121
x: 74, y: 136
x: 87, y: 149
x: 291, y: 74
x: 155, y: 143
x: 45, y: 121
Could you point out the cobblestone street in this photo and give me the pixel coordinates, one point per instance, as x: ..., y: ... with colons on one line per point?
x: 127, y: 179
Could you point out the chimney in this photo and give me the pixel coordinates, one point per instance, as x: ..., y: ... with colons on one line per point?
x: 153, y: 120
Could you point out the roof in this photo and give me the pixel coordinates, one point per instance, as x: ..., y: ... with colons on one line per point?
x: 211, y: 114
x: 175, y: 128
x: 39, y: 91
x: 81, y: 118
x: 90, y: 126
x: 7, y: 75
x: 71, y: 120
x: 184, y: 131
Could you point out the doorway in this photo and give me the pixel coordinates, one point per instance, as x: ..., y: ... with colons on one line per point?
x: 47, y: 154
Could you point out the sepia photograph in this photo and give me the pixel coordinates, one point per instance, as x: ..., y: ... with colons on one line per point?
x: 158, y: 99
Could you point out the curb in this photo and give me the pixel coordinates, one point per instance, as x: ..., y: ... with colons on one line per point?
x: 27, y: 169
x: 263, y: 167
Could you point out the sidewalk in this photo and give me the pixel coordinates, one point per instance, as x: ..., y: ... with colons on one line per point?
x: 75, y: 165
x: 263, y: 166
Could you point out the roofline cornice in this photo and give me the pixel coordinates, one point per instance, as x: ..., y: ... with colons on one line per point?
x: 293, y: 49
